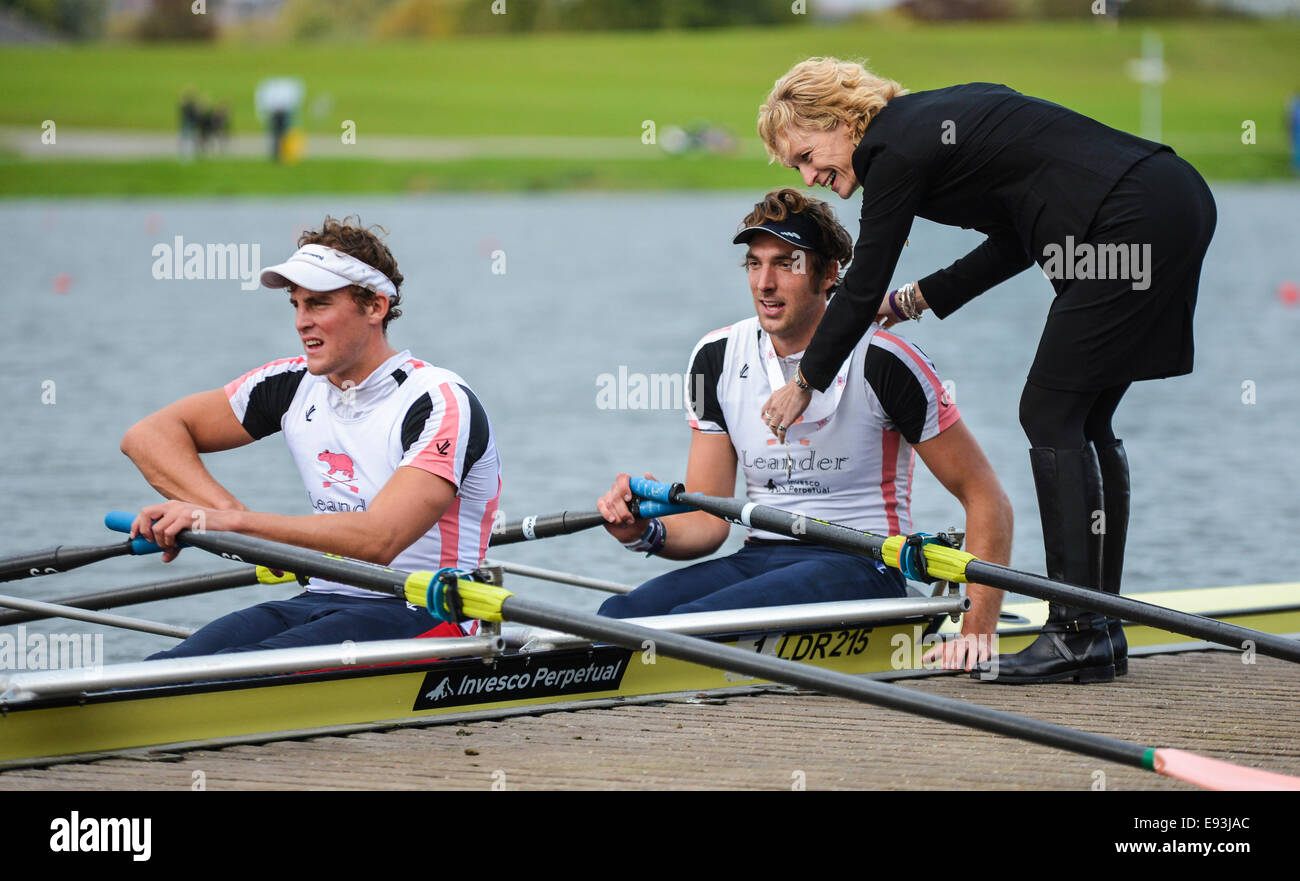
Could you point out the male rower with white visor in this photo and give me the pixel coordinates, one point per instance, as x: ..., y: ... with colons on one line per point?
x: 848, y: 460
x: 397, y: 455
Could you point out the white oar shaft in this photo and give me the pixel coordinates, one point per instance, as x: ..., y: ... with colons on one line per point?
x: 109, y: 620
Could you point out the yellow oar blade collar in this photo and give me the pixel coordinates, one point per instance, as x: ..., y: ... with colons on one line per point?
x: 266, y: 576
x: 450, y: 595
x: 942, y: 563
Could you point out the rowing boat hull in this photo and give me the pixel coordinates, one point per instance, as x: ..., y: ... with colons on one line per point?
x: 273, y: 707
x: 50, y: 730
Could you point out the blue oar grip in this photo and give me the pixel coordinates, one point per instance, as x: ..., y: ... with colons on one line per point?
x: 648, y: 508
x: 120, y: 521
x: 144, y: 546
x: 652, y: 489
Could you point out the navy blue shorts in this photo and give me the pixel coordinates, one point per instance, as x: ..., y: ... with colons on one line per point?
x: 760, y: 574
x: 308, y: 619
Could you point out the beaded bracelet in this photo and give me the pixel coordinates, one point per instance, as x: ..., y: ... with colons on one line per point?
x: 907, y: 294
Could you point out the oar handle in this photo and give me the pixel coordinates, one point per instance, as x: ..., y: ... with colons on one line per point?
x: 648, y: 508
x: 568, y: 522
x: 120, y: 521
x: 656, y: 491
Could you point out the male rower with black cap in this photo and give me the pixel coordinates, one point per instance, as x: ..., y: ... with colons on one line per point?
x: 848, y: 460
x: 395, y: 452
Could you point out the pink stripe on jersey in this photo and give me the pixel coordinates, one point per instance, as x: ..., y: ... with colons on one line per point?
x: 232, y: 387
x: 449, y: 535
x: 947, y: 415
x: 911, y: 469
x: 485, y: 527
x: 439, y: 457
x: 889, y: 476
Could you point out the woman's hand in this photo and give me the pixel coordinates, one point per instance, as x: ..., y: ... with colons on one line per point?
x: 891, y: 313
x: 784, y: 408
x: 615, y: 505
x: 885, y: 315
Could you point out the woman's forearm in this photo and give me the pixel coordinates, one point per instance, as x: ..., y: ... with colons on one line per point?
x: 992, y: 262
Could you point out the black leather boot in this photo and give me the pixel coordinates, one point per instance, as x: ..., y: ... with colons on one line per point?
x: 1115, y: 490
x: 1074, y: 644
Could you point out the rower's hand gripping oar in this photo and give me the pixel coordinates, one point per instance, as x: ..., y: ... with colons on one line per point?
x: 451, y: 595
x: 567, y: 522
x: 950, y: 564
x: 120, y: 521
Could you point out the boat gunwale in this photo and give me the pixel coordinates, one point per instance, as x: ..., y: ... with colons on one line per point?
x: 1029, y: 627
x: 274, y: 680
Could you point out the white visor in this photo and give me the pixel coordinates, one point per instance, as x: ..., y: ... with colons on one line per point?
x: 318, y: 268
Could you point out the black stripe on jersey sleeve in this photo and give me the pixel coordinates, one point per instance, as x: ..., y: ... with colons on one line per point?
x: 413, y: 424
x: 478, y: 433
x: 899, y: 391
x: 269, y: 401
x: 706, y: 373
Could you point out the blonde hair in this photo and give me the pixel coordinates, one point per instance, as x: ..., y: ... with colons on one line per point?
x: 820, y: 94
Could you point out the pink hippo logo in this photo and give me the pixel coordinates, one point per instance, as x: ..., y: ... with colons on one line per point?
x: 341, y: 464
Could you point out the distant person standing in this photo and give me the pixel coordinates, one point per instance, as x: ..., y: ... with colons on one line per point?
x: 277, y: 102
x: 189, y: 124
x: 206, y: 121
x: 219, y: 127
x: 1293, y: 129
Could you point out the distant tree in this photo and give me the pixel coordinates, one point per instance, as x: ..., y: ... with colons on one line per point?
x: 418, y: 18
x: 79, y: 19
x: 317, y: 19
x: 726, y: 13
x: 629, y: 15
x: 962, y: 10
x: 1123, y: 9
x: 1166, y: 9
x: 176, y: 20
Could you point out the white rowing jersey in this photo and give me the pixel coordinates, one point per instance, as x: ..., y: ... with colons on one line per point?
x: 347, y: 443
x: 850, y: 456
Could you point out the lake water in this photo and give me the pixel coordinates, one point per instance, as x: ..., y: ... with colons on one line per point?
x: 592, y: 284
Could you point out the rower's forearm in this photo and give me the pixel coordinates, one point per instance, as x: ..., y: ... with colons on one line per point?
x: 694, y: 535
x: 355, y: 534
x: 989, y: 525
x: 167, y: 457
x: 985, y: 606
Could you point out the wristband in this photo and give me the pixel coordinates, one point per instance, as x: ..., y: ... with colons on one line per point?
x: 652, y: 541
x: 800, y: 381
x: 893, y: 305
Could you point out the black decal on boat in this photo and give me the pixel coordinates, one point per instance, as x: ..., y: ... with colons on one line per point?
x: 518, y: 677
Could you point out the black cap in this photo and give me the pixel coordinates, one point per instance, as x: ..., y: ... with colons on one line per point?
x: 797, y: 228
